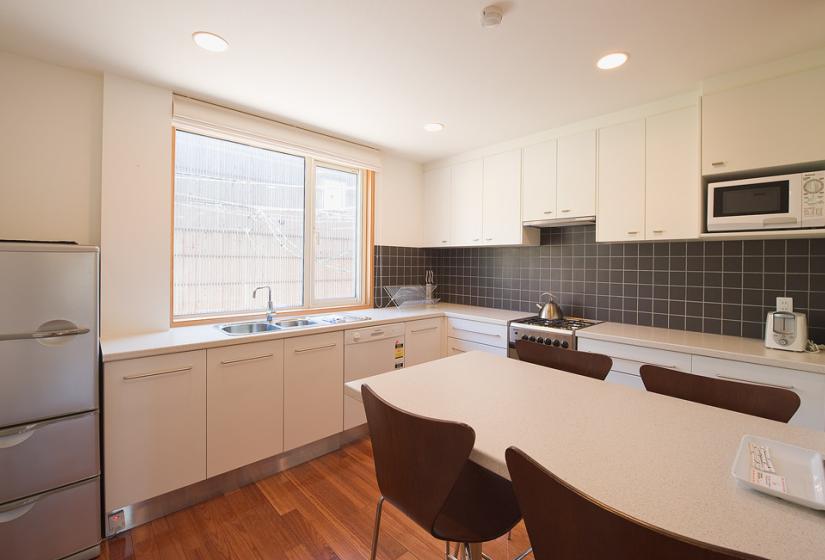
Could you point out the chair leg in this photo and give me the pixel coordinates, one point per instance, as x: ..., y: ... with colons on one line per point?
x: 378, y: 508
x: 524, y: 554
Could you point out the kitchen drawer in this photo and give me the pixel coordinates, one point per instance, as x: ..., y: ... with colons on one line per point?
x: 477, y: 331
x: 809, y: 386
x: 53, y: 524
x: 457, y: 346
x: 44, y: 455
x: 626, y: 379
x: 244, y: 404
x: 628, y: 358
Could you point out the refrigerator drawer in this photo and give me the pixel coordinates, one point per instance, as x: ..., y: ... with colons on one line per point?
x: 40, y: 456
x: 52, y: 525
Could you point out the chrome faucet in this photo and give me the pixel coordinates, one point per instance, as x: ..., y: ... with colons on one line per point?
x: 270, y: 309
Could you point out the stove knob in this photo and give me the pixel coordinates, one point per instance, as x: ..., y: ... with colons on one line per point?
x: 564, y: 344
x: 548, y: 341
x: 556, y: 343
x: 524, y: 337
x: 540, y: 340
x: 532, y: 339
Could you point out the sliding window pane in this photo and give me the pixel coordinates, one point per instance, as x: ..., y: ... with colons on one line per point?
x: 239, y: 224
x: 337, y: 253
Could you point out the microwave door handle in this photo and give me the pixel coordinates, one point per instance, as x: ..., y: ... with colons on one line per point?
x: 779, y: 220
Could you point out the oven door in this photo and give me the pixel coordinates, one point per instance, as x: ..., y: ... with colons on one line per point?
x: 755, y: 204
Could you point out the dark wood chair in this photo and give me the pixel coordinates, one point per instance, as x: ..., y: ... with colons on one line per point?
x: 423, y: 468
x: 588, y: 364
x: 773, y: 403
x: 563, y: 523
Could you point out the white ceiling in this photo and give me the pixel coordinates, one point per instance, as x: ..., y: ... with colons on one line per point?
x: 378, y: 70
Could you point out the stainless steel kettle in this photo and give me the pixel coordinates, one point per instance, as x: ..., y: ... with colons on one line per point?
x: 549, y: 309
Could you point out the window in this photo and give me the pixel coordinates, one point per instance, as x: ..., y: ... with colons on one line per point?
x: 246, y: 216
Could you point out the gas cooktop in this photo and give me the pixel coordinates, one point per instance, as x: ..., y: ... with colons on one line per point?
x: 569, y: 324
x: 552, y: 332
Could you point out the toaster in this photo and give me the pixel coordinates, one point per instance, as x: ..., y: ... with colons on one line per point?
x: 786, y: 330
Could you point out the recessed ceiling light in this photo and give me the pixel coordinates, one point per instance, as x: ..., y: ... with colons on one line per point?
x: 612, y: 60
x: 210, y: 41
x: 434, y: 127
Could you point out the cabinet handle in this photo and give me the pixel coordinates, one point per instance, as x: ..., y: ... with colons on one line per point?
x: 156, y: 373
x: 9, y: 437
x: 443, y: 240
x: 476, y: 332
x: 632, y: 232
x: 776, y: 386
x: 488, y: 239
x: 717, y: 163
x: 566, y: 210
x: 241, y: 360
x: 548, y: 211
x: 324, y: 347
x: 44, y: 334
x: 457, y: 349
x: 423, y: 330
x: 658, y: 231
x: 376, y: 333
x: 475, y: 239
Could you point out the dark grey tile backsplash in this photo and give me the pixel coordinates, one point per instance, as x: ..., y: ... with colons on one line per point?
x: 722, y: 287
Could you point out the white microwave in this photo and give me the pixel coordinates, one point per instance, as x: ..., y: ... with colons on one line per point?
x: 778, y: 202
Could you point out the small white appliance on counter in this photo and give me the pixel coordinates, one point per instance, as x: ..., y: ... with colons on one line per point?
x: 367, y: 352
x: 784, y: 329
x: 766, y: 203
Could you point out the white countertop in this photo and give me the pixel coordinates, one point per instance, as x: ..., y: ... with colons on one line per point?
x: 181, y: 339
x: 749, y: 350
x: 661, y: 460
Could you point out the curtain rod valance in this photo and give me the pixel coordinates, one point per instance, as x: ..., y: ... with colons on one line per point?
x: 213, y: 120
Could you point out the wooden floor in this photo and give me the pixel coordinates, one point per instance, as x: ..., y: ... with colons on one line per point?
x: 323, y: 509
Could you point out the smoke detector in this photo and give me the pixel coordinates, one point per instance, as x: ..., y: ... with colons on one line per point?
x: 491, y: 16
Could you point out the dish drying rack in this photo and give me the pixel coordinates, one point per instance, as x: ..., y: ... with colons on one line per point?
x: 409, y: 295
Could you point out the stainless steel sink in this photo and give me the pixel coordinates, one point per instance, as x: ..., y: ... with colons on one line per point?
x: 293, y: 323
x: 249, y: 328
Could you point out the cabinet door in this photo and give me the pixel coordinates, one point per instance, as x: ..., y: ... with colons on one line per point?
x: 770, y: 123
x: 423, y: 341
x: 458, y: 346
x: 620, y: 213
x: 154, y: 426
x: 465, y: 203
x: 577, y: 175
x: 313, y: 388
x: 673, y: 186
x: 538, y: 182
x: 437, y: 207
x: 244, y: 404
x: 502, y: 199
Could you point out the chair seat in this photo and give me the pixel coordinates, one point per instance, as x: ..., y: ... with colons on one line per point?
x: 481, y: 507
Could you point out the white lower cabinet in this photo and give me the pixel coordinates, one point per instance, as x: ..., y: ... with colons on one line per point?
x: 244, y: 404
x: 628, y: 359
x: 458, y: 346
x: 423, y: 341
x: 809, y: 386
x: 313, y: 388
x: 154, y: 426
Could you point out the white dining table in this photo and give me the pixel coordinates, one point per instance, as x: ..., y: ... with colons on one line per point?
x: 660, y: 460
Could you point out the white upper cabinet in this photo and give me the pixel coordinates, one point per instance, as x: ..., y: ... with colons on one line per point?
x: 437, y: 203
x: 673, y: 189
x: 621, y: 171
x: 576, y: 178
x: 538, y: 182
x: 501, y: 223
x: 770, y: 123
x: 466, y: 202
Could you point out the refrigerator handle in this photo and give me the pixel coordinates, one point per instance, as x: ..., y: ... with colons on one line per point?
x: 44, y: 334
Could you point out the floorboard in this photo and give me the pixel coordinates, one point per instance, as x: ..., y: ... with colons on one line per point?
x: 321, y: 510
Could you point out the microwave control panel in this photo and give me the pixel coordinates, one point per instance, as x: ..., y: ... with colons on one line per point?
x: 813, y: 199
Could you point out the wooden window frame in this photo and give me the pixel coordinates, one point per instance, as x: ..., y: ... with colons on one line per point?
x: 367, y: 180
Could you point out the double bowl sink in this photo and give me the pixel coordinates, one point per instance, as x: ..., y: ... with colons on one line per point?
x: 255, y: 327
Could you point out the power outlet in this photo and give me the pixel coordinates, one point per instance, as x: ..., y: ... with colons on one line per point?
x: 116, y: 522
x: 784, y: 304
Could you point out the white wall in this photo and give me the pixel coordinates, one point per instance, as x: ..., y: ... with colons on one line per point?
x: 136, y: 207
x: 399, y: 203
x: 49, y: 152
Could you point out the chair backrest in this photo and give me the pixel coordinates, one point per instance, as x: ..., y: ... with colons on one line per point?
x: 773, y: 403
x: 589, y: 364
x: 417, y: 459
x: 565, y: 523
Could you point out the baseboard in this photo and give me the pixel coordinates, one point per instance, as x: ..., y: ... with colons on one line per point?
x: 154, y: 508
